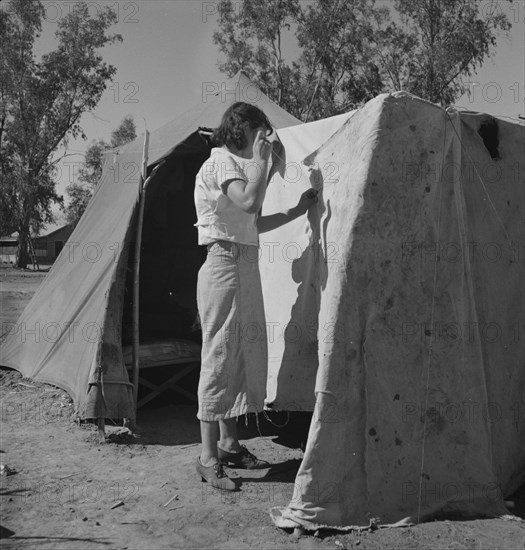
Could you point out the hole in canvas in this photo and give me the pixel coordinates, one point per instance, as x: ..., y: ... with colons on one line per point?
x: 488, y: 131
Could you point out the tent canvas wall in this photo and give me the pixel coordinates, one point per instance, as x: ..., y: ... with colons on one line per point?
x: 420, y: 390
x: 70, y: 333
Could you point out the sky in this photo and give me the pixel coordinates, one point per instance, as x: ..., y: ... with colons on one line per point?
x: 167, y: 60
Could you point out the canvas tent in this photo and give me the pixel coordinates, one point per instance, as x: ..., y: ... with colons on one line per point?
x: 409, y: 287
x: 395, y: 310
x: 71, y: 332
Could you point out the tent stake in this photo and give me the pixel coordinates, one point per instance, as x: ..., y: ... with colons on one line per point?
x: 136, y: 273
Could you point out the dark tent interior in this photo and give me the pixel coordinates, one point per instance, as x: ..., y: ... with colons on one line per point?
x: 170, y: 255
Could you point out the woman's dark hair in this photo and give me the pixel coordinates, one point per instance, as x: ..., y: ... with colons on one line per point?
x: 231, y: 131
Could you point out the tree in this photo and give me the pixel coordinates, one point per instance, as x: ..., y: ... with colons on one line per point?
x: 124, y: 133
x: 42, y: 102
x: 251, y: 35
x: 448, y: 40
x: 334, y: 70
x: 348, y: 51
x: 15, y: 50
x: 338, y: 66
x: 81, y: 191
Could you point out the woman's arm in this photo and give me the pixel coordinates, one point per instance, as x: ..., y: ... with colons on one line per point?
x: 249, y: 195
x: 273, y: 221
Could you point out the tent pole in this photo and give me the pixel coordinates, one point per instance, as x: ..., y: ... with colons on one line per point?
x: 136, y: 272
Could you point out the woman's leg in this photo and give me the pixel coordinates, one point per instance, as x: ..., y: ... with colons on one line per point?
x: 208, y: 466
x: 209, y: 437
x: 230, y: 450
x: 229, y: 440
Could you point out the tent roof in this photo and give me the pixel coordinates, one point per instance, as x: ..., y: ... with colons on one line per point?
x: 207, y: 113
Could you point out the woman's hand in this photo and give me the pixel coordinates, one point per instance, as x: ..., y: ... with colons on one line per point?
x: 262, y: 148
x: 306, y: 200
x: 277, y: 154
x: 273, y: 221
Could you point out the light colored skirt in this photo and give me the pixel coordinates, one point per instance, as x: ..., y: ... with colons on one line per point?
x: 234, y: 345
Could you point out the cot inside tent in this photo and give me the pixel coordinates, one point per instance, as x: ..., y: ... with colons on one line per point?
x: 420, y: 389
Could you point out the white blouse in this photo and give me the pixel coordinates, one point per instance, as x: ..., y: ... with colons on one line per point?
x: 218, y: 217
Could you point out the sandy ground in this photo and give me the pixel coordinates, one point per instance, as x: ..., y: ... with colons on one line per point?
x: 72, y: 492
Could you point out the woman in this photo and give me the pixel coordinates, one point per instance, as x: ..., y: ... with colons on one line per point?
x: 229, y: 192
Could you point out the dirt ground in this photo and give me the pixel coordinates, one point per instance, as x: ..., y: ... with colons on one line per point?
x: 68, y: 491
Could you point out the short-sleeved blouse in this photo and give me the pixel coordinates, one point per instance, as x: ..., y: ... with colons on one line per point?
x: 218, y: 217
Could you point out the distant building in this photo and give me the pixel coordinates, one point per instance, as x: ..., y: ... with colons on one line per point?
x: 47, y: 247
x: 8, y: 248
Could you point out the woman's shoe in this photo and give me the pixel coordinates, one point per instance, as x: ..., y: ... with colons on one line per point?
x: 243, y: 459
x: 215, y: 475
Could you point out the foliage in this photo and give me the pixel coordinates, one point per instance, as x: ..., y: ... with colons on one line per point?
x: 450, y: 39
x: 124, y: 133
x: 252, y: 41
x: 41, y: 103
x: 348, y: 51
x: 81, y: 191
x: 337, y: 63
